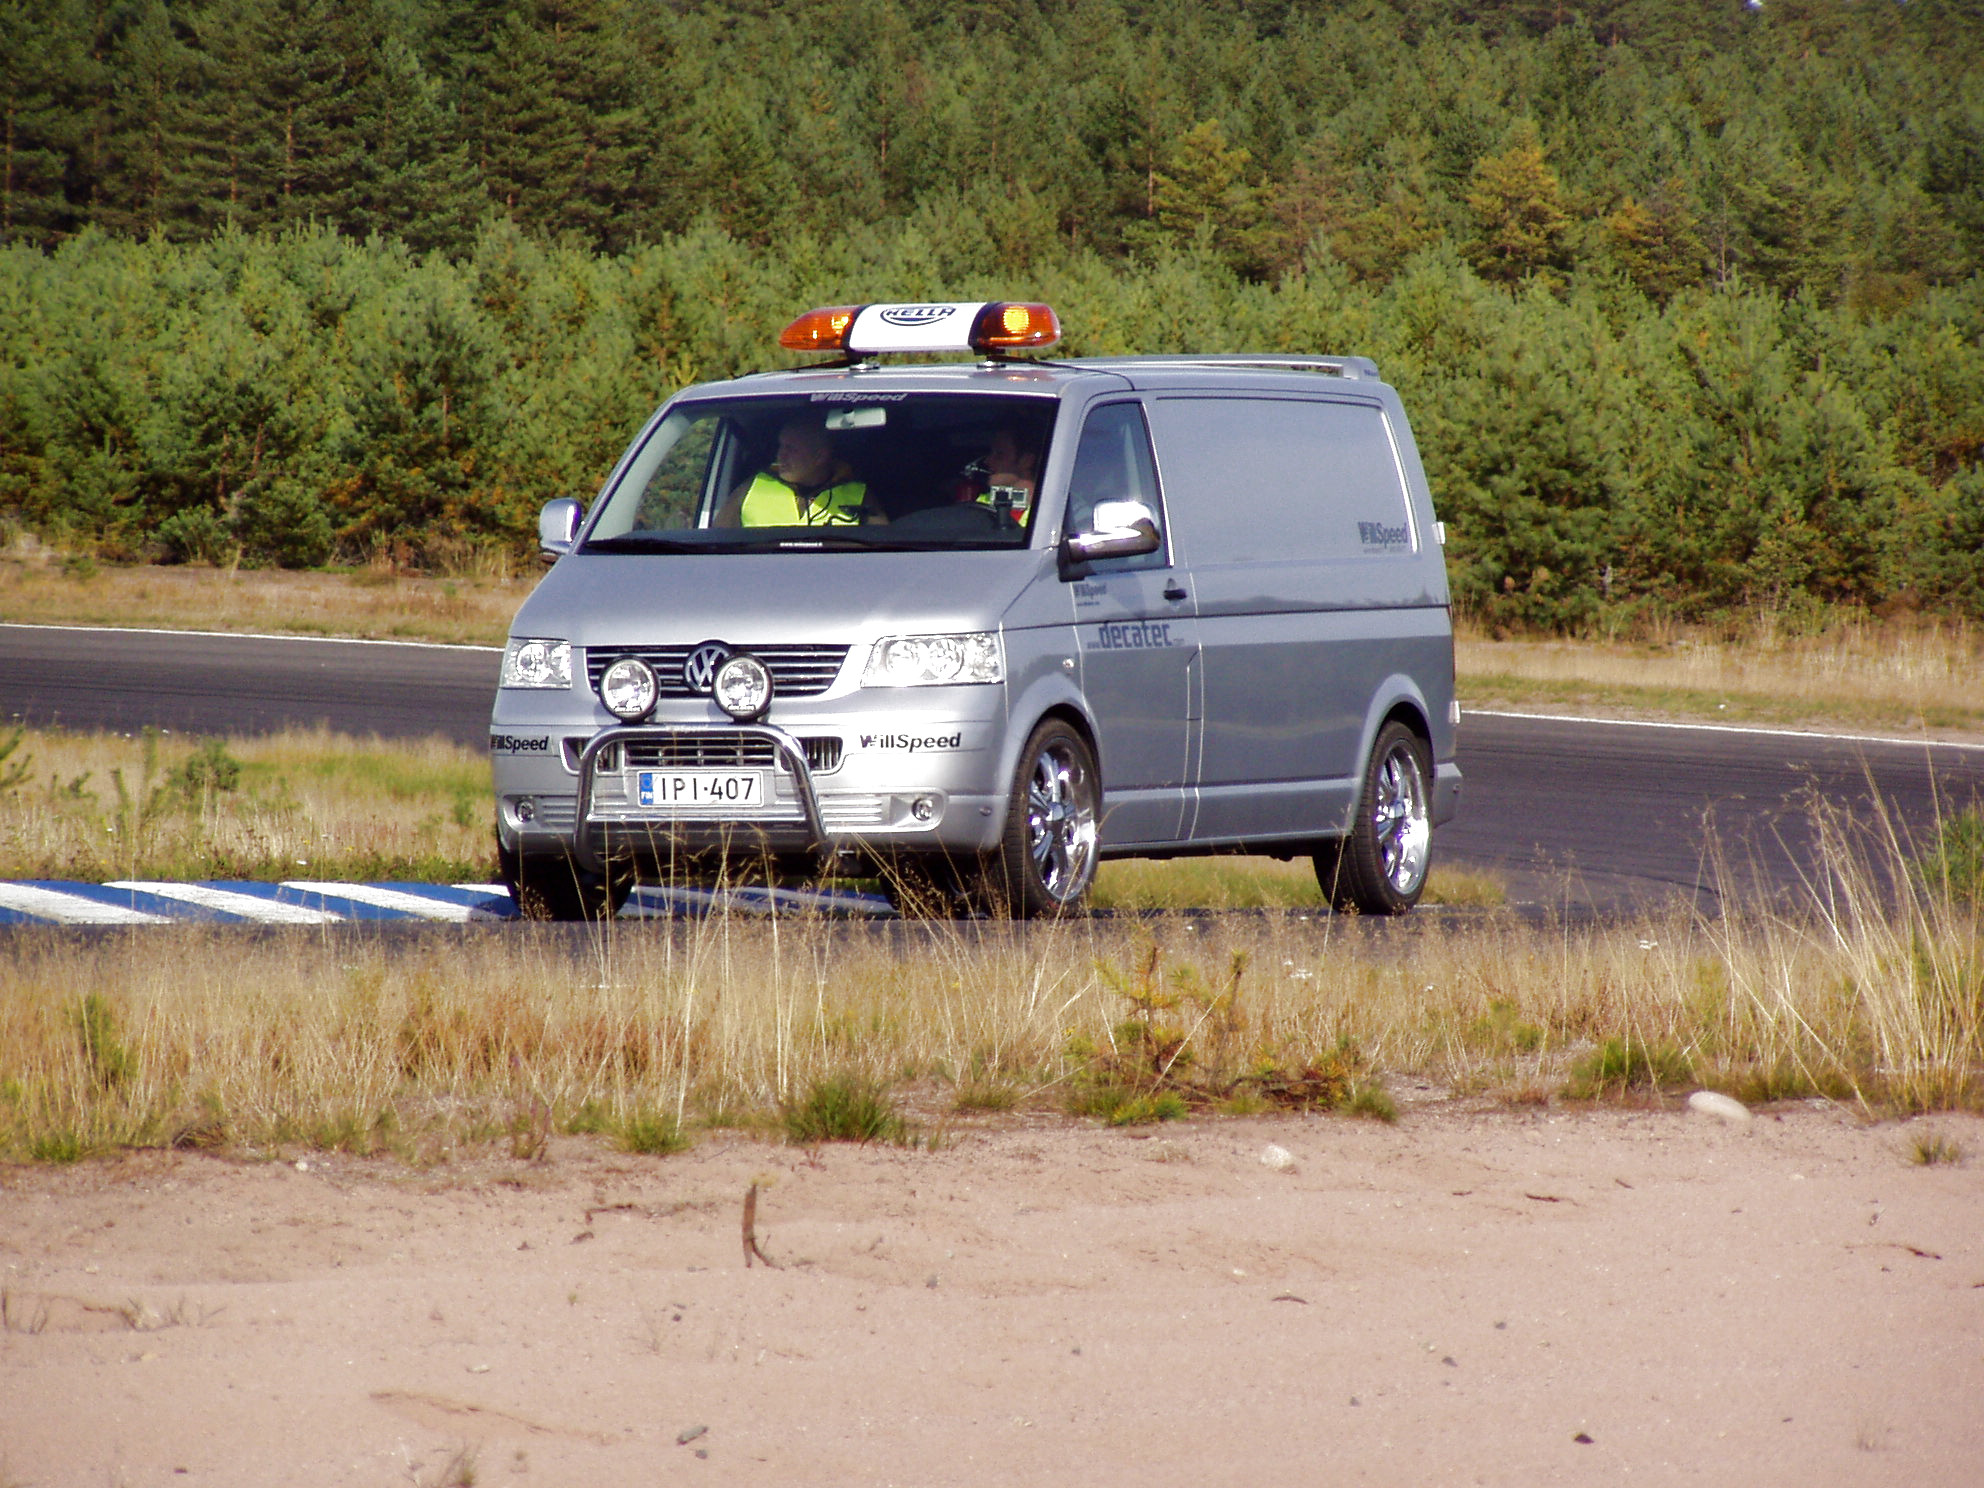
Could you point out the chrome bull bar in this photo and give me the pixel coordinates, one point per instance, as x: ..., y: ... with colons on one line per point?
x: 791, y: 753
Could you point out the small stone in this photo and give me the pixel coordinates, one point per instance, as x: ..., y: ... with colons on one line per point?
x: 690, y: 1435
x: 1582, y: 1440
x: 1277, y: 1159
x: 1722, y: 1107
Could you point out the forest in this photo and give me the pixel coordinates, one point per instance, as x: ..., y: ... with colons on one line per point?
x: 1684, y: 295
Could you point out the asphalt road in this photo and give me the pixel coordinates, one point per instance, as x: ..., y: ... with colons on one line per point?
x: 1585, y: 814
x: 1616, y: 814
x: 213, y: 684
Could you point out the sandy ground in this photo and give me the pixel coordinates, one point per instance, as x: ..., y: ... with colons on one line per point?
x: 1519, y: 1298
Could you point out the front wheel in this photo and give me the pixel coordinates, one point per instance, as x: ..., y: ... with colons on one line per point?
x: 555, y: 888
x: 1380, y: 868
x: 1045, y: 862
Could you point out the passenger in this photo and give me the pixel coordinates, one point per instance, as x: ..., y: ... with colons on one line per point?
x: 807, y: 485
x: 1005, y: 477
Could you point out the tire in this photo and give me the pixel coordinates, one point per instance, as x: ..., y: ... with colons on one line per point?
x: 1045, y: 862
x: 1381, y: 866
x: 555, y: 888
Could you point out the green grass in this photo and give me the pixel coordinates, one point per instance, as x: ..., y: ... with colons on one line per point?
x: 651, y: 1133
x: 984, y: 1096
x: 843, y: 1109
x: 297, y: 805
x: 1372, y: 1102
x: 1930, y: 1149
x: 1620, y: 1065
x: 1953, y: 864
x: 1144, y: 885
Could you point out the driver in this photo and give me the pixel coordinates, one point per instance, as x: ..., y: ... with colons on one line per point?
x: 807, y: 485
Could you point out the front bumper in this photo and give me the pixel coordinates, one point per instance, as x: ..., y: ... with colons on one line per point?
x: 939, y: 802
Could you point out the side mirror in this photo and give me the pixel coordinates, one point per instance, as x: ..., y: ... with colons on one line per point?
x: 557, y: 526
x: 1118, y: 529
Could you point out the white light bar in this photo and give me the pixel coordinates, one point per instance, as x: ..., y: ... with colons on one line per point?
x: 945, y: 327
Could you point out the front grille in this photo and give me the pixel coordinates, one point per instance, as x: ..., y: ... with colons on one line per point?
x: 701, y: 752
x: 711, y: 749
x: 797, y: 671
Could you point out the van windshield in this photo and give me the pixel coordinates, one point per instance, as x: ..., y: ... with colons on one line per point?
x: 840, y: 471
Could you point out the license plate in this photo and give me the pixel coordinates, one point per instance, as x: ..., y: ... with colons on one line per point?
x: 702, y: 788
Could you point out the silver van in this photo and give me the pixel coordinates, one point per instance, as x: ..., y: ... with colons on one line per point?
x: 973, y: 626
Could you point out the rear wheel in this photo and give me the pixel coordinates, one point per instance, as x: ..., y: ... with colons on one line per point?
x: 1045, y: 862
x: 556, y: 888
x: 1380, y: 868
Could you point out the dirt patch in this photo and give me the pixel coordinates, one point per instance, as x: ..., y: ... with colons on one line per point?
x: 1465, y: 1297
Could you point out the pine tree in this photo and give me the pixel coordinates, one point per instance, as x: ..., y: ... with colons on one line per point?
x: 155, y: 95
x: 1521, y: 226
x: 559, y: 129
x: 1658, y: 243
x: 43, y: 61
x: 1203, y: 192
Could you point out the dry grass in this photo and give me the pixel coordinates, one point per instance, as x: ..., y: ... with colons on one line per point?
x: 1898, y: 676
x: 470, y: 608
x: 299, y: 804
x: 331, y: 1039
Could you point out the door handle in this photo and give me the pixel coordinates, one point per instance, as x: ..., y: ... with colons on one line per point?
x: 1174, y: 591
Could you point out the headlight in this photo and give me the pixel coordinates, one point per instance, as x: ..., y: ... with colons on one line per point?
x: 934, y: 661
x: 533, y: 663
x: 628, y: 689
x: 743, y: 687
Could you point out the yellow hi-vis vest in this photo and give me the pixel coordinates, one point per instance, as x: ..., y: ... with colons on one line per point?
x: 772, y: 503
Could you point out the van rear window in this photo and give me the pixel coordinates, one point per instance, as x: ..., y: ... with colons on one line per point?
x: 1251, y: 480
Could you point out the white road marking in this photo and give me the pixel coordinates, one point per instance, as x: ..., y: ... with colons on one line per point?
x: 1721, y: 728
x: 71, y: 909
x: 252, y: 906
x: 250, y: 635
x: 647, y: 901
x: 400, y: 899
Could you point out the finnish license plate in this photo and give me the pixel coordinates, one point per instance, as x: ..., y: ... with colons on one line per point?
x: 702, y: 788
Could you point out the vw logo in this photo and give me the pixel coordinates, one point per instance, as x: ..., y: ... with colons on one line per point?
x: 699, y: 671
x: 917, y: 315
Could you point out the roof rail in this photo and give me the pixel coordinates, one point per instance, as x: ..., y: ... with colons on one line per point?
x: 1335, y: 366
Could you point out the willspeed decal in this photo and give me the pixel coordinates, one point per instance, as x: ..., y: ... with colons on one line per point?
x: 519, y: 744
x: 857, y: 397
x: 1378, y: 535
x: 911, y: 743
x: 1134, y: 635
